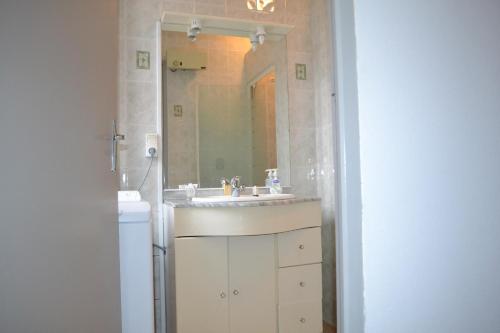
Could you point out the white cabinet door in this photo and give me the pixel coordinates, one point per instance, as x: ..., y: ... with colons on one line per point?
x: 201, y: 279
x: 252, y: 284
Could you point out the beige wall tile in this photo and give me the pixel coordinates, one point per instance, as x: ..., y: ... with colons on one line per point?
x: 133, y: 73
x: 141, y: 16
x: 141, y: 103
x: 212, y: 9
x: 179, y: 6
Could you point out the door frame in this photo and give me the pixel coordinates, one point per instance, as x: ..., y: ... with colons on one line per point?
x: 159, y: 177
x: 350, y: 299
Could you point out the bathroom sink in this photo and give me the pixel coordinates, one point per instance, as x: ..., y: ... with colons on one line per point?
x: 261, y: 197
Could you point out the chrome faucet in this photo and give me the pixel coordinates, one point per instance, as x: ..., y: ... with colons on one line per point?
x: 236, y: 186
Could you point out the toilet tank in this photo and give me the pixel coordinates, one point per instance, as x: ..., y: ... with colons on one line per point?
x: 136, y: 266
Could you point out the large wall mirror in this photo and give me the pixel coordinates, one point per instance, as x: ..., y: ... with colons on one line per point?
x: 225, y: 109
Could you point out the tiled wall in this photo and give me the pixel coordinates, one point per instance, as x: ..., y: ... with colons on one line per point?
x: 310, y: 126
x: 137, y: 106
x: 323, y: 88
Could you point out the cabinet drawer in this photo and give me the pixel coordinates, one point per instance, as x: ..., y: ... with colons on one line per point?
x: 305, y: 317
x: 300, y: 283
x: 299, y: 247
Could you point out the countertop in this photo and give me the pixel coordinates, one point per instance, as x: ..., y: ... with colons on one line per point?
x: 182, y: 203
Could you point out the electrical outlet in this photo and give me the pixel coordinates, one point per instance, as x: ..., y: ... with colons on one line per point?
x: 151, y: 142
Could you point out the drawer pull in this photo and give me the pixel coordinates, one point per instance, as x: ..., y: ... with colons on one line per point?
x: 301, y: 246
x: 236, y: 292
x: 302, y: 284
x: 222, y: 295
x: 302, y: 320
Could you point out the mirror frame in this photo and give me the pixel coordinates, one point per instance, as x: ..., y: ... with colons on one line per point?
x: 177, y: 22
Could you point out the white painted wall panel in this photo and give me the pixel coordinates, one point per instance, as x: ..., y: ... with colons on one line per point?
x: 429, y: 115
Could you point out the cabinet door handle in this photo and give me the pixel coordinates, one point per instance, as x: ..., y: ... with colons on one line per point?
x: 302, y: 320
x: 236, y: 292
x: 302, y: 284
x: 301, y: 246
x: 222, y: 295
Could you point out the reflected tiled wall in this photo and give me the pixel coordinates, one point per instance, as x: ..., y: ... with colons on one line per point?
x: 217, y: 90
x: 274, y: 54
x: 263, y: 109
x: 224, y: 118
x: 311, y: 128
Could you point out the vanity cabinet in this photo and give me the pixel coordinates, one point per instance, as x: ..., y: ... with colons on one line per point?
x: 226, y: 284
x: 260, y: 273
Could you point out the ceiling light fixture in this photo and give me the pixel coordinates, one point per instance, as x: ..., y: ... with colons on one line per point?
x: 260, y: 34
x: 196, y: 26
x: 194, y: 29
x: 191, y: 34
x: 254, y: 41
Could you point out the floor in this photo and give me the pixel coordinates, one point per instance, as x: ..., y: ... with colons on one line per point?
x: 327, y: 328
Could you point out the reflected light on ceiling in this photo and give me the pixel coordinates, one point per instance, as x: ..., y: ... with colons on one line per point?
x: 266, y: 6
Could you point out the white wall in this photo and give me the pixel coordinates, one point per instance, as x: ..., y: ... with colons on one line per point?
x: 429, y: 126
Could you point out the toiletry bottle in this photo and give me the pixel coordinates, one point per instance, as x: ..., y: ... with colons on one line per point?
x: 226, y: 185
x: 269, y: 178
x: 190, y: 191
x: 276, y: 184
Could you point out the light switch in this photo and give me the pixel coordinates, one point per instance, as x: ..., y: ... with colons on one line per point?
x: 142, y: 59
x: 177, y: 110
x: 300, y: 71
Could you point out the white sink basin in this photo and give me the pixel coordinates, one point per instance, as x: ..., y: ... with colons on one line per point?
x: 261, y: 197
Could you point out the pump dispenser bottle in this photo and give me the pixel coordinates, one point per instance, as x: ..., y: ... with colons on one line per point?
x: 275, y: 183
x: 269, y: 178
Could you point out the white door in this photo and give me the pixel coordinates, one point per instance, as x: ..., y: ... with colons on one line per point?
x: 201, y: 282
x: 252, y: 284
x: 59, y: 263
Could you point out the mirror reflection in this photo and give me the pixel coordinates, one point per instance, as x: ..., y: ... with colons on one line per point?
x: 225, y: 109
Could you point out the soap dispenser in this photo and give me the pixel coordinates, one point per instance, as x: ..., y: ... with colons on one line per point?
x: 275, y: 183
x: 269, y: 178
